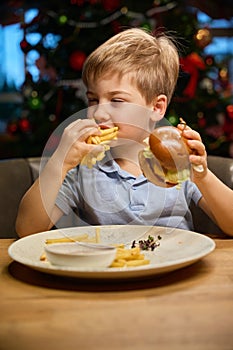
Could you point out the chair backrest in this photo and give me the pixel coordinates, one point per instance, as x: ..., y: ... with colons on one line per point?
x: 16, y: 176
x: 15, y: 179
x: 223, y: 168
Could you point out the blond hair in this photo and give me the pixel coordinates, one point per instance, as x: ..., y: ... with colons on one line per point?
x: 152, y: 60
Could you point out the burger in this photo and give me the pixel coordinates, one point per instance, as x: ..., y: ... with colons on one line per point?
x: 165, y: 160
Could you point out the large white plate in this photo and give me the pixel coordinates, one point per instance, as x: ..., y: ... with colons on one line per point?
x: 178, y: 248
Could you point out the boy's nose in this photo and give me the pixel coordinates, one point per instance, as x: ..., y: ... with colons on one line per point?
x: 99, y: 112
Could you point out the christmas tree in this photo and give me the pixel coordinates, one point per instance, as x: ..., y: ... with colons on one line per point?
x: 70, y: 30
x: 203, y: 96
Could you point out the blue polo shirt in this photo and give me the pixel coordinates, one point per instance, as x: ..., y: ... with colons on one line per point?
x: 108, y: 195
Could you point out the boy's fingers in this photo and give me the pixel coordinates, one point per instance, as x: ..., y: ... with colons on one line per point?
x: 191, y: 134
x: 197, y: 146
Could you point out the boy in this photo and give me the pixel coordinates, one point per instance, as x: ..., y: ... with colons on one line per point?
x: 130, y: 80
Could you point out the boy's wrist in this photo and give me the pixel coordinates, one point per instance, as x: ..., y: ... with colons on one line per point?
x: 57, y: 167
x: 201, y: 178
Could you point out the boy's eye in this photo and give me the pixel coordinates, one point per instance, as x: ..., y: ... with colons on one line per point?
x: 92, y: 101
x: 117, y: 100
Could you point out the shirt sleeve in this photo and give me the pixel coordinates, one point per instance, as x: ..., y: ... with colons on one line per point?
x: 193, y: 192
x: 67, y: 195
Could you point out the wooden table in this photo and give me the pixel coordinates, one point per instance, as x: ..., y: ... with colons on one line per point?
x: 191, y: 308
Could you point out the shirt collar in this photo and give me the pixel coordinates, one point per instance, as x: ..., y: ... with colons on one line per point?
x: 110, y: 166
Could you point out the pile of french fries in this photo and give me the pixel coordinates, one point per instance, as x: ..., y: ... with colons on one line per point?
x: 106, y: 136
x: 129, y: 258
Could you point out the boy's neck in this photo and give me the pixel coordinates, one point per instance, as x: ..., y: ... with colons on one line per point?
x: 127, y: 158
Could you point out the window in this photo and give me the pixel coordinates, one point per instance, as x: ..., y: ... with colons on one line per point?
x: 12, y: 59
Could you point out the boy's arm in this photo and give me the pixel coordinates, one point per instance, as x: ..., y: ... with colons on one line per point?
x: 217, y: 200
x: 37, y: 210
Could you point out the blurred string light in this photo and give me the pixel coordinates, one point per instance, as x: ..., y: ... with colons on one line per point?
x: 31, y: 58
x: 51, y: 41
x: 124, y: 11
x: 14, y: 60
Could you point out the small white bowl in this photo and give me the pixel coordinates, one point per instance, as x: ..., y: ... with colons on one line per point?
x: 80, y: 255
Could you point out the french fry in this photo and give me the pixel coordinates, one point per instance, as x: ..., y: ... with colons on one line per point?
x: 94, y: 140
x: 127, y: 254
x: 108, y: 131
x: 82, y: 238
x: 118, y: 263
x: 97, y: 235
x: 106, y: 135
x: 67, y: 239
x: 43, y: 257
x: 140, y: 262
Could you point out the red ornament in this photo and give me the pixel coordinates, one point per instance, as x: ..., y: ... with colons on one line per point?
x: 209, y: 61
x: 93, y: 2
x: 230, y: 111
x: 24, y: 125
x: 77, y: 2
x: 116, y: 26
x: 192, y: 64
x: 110, y: 5
x: 25, y: 47
x: 12, y: 128
x: 76, y: 60
x: 202, y: 122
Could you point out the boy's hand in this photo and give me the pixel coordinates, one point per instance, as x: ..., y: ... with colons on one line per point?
x: 73, y: 147
x: 198, y: 157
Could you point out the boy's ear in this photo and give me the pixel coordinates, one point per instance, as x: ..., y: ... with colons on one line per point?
x: 159, y: 107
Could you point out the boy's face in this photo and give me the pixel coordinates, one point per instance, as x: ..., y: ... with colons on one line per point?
x: 114, y: 101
